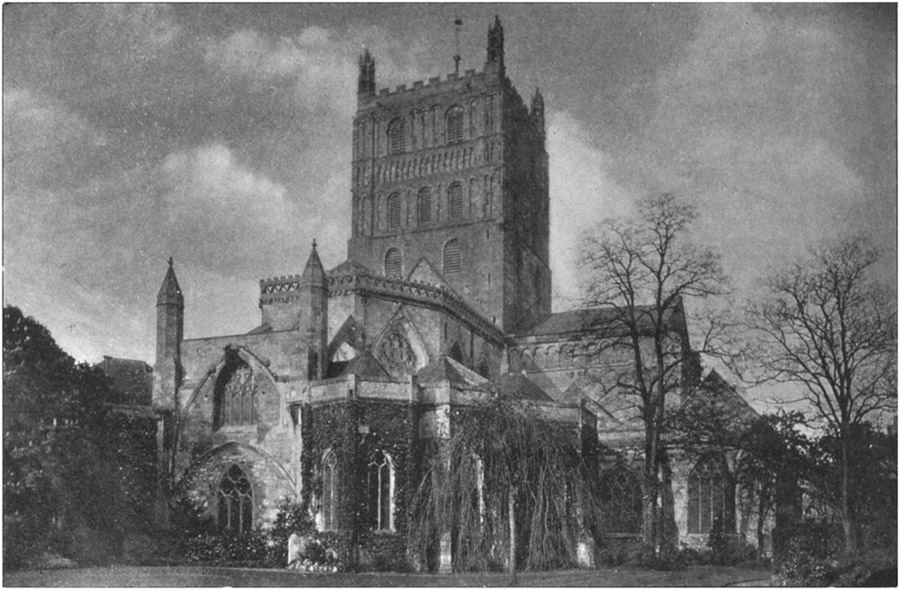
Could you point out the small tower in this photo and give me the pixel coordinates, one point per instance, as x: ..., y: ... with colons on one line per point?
x: 537, y: 110
x: 366, y: 83
x: 313, y: 318
x: 495, y: 47
x: 169, y: 334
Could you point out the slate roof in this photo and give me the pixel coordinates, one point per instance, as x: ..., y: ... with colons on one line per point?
x: 518, y: 386
x: 447, y: 369
x: 593, y: 319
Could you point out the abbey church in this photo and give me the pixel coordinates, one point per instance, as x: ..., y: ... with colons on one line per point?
x: 444, y: 300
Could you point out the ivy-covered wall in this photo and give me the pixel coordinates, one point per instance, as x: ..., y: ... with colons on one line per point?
x: 354, y: 430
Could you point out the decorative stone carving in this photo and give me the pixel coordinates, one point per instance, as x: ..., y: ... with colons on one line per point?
x: 395, y: 354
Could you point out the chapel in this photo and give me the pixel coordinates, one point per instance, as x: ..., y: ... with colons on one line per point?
x: 444, y: 300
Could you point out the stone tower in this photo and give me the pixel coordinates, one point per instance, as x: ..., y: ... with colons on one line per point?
x: 455, y: 171
x: 167, y: 371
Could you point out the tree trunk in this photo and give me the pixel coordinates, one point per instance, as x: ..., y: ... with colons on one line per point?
x: 847, y: 505
x: 649, y: 496
x: 512, y: 535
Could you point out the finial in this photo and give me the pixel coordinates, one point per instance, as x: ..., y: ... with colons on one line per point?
x: 314, y: 243
x: 456, y: 57
x: 171, y: 261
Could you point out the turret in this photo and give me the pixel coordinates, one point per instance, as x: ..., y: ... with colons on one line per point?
x: 169, y: 334
x: 366, y: 84
x: 495, y: 47
x: 313, y: 318
x: 537, y: 110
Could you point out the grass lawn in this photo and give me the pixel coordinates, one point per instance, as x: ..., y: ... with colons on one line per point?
x: 237, y: 577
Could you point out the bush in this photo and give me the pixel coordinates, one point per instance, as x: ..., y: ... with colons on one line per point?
x: 809, y: 555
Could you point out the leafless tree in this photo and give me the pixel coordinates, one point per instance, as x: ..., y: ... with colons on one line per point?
x: 643, y: 268
x: 827, y: 326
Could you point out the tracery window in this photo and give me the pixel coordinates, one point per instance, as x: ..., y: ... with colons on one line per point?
x: 234, y: 398
x: 455, y: 125
x: 423, y: 205
x: 397, y: 136
x: 393, y: 211
x: 709, y: 496
x: 379, y: 489
x: 235, y: 501
x: 620, y: 496
x: 329, y: 491
x: 455, y: 196
x: 452, y: 257
x: 393, y: 264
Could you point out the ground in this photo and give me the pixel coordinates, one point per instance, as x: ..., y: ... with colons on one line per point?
x: 239, y: 577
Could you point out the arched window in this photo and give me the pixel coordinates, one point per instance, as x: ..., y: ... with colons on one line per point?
x: 452, y: 257
x: 455, y: 198
x: 329, y: 492
x: 455, y: 125
x: 393, y: 211
x: 620, y: 495
x: 379, y: 491
x: 393, y: 264
x: 423, y: 205
x: 235, y: 501
x: 234, y: 397
x: 397, y: 136
x: 710, y: 495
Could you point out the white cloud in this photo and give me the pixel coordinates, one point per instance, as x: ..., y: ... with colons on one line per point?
x: 582, y: 194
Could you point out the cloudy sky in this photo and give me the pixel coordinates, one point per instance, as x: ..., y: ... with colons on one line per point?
x: 220, y: 135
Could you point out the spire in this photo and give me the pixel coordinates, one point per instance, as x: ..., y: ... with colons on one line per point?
x: 170, y: 292
x: 495, y: 43
x: 537, y: 109
x: 314, y: 273
x: 366, y: 84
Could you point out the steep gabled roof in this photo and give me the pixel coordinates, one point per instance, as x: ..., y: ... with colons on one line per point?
x: 424, y: 272
x: 518, y: 386
x: 350, y: 267
x: 447, y: 369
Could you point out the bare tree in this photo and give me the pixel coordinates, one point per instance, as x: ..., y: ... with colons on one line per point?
x: 826, y: 326
x: 643, y: 268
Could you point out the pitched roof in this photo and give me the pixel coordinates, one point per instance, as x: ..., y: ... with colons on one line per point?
x: 447, y: 369
x: 314, y: 273
x: 609, y: 319
x: 349, y: 267
x: 518, y: 386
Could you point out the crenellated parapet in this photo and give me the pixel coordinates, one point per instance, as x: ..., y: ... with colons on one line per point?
x: 279, y: 289
x: 416, y: 293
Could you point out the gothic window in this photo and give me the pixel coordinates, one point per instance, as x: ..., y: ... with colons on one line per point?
x: 423, y: 205
x: 234, y: 398
x: 455, y: 125
x: 393, y: 211
x: 452, y: 257
x: 620, y: 495
x: 489, y: 114
x: 329, y: 491
x: 397, y: 136
x: 473, y: 111
x: 393, y: 266
x: 235, y: 501
x: 455, y: 197
x: 379, y: 489
x: 709, y: 496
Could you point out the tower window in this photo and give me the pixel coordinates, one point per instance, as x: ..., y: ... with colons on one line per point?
x: 379, y: 491
x: 397, y: 136
x: 423, y: 205
x: 329, y: 492
x: 455, y: 195
x: 393, y: 264
x: 455, y: 125
x: 452, y: 257
x: 235, y: 501
x: 393, y: 206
